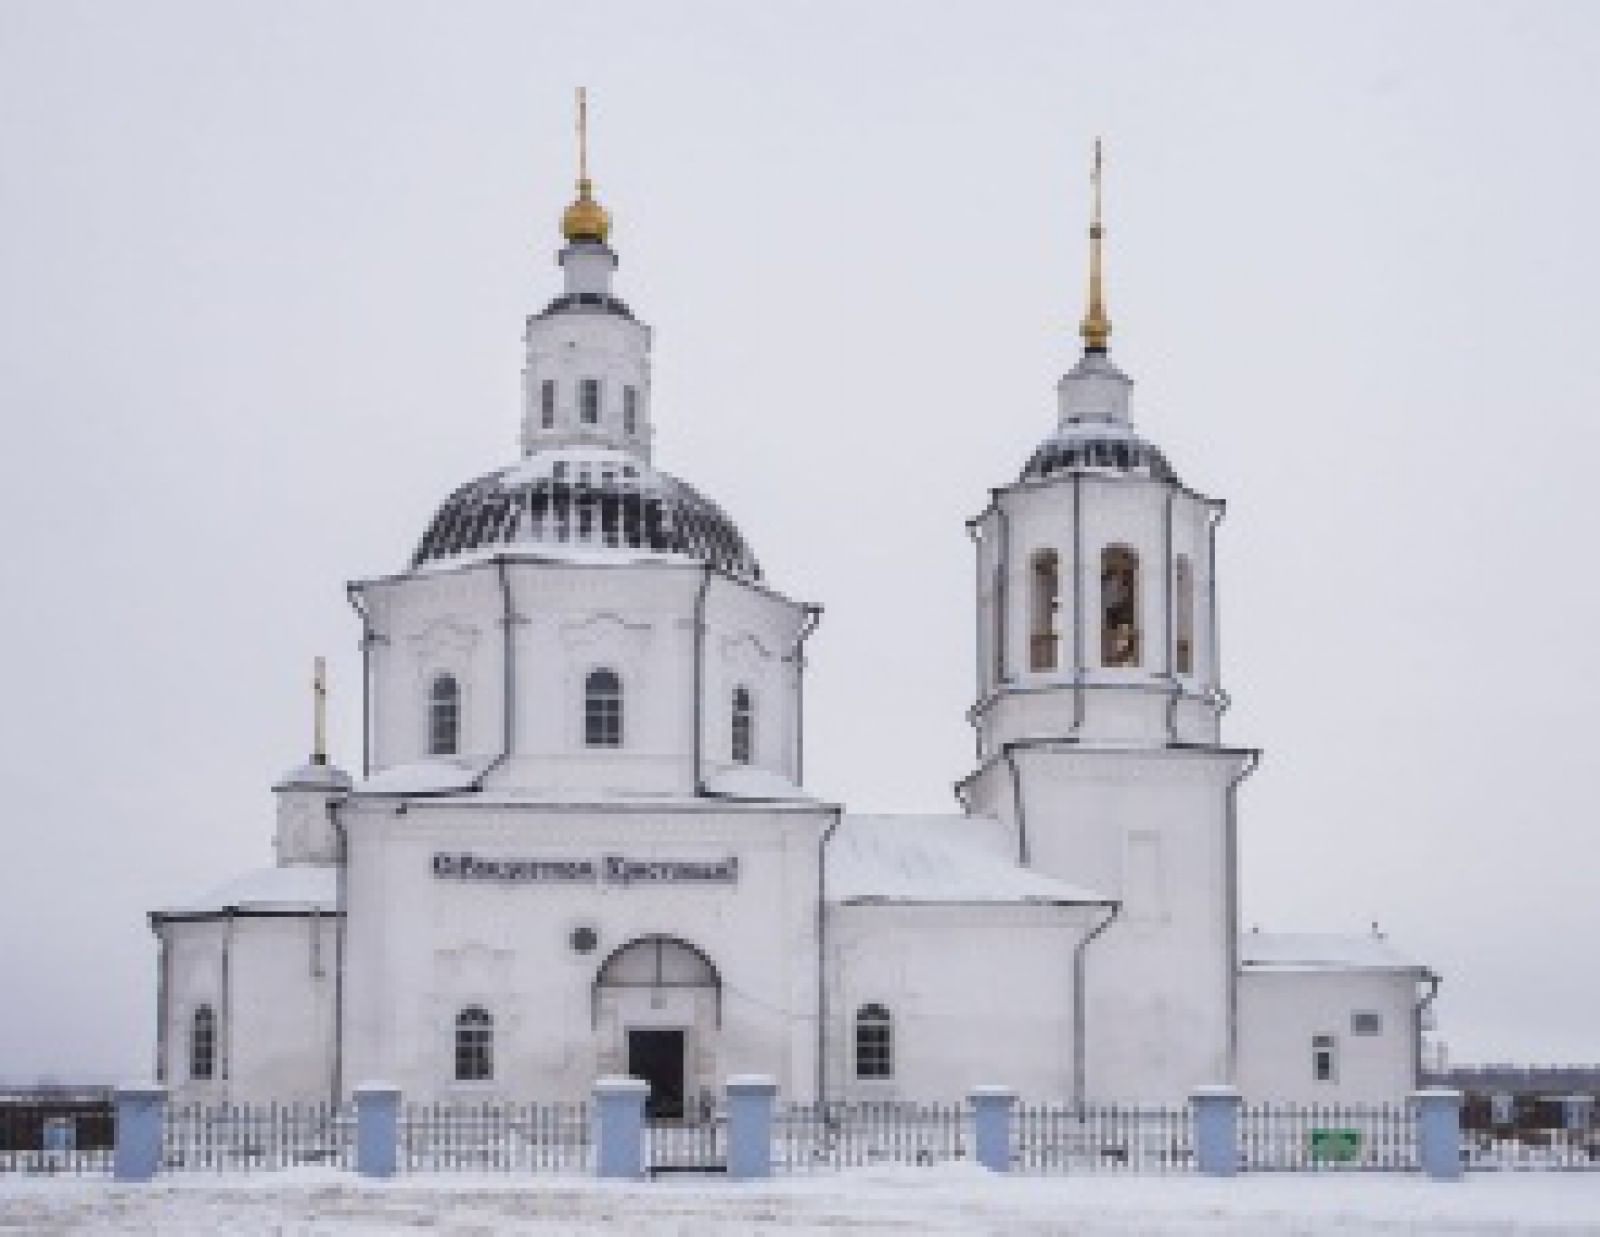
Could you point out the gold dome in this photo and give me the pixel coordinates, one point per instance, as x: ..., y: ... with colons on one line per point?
x: 586, y: 219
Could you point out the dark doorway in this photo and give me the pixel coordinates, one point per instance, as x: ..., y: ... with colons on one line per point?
x: 657, y: 1057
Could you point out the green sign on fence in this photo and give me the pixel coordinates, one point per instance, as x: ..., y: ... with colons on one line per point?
x: 1336, y: 1146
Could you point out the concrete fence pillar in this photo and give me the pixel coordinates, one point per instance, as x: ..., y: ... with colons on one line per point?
x: 751, y: 1100
x: 991, y: 1126
x: 619, y: 1127
x: 1216, y: 1129
x: 377, y: 1129
x: 1439, y: 1132
x: 141, y: 1120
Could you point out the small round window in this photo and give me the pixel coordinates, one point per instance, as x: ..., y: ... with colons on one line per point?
x: 584, y: 939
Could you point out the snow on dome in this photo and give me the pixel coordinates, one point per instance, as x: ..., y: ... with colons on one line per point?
x: 584, y: 499
x: 296, y: 887
x: 1098, y: 447
x: 314, y: 776
x: 923, y: 859
x: 1308, y: 951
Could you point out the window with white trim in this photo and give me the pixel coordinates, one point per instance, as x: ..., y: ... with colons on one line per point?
x: 547, y: 403
x: 444, y: 716
x: 874, y: 1042
x: 1044, y: 638
x: 1183, y: 615
x: 1324, y: 1058
x: 602, y: 709
x: 589, y: 401
x: 1119, y: 607
x: 203, y: 1044
x: 474, y: 1045
x: 744, y: 723
x: 1366, y: 1022
x: 630, y: 411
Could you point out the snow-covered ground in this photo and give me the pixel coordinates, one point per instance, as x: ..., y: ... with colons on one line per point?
x: 952, y: 1199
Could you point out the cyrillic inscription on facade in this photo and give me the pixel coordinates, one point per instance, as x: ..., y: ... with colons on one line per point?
x: 608, y: 870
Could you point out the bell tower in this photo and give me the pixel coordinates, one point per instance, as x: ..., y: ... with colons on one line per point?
x: 1098, y: 716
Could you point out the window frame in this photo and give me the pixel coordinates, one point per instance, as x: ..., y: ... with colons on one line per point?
x: 473, y: 1045
x: 547, y: 404
x: 440, y: 708
x: 873, y: 1042
x: 630, y: 410
x: 203, y: 1043
x: 1120, y: 559
x: 742, y: 726
x: 1183, y: 615
x: 1328, y: 1044
x: 1044, y: 610
x: 1366, y: 1023
x: 604, y: 709
x: 589, y: 401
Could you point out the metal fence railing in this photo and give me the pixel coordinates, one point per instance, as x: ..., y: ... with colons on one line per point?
x: 815, y: 1137
x: 1049, y: 1138
x: 257, y: 1137
x: 1317, y: 1137
x: 695, y: 1146
x: 49, y: 1138
x: 496, y: 1137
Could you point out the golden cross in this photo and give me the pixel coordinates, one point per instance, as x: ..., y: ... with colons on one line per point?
x: 583, y: 136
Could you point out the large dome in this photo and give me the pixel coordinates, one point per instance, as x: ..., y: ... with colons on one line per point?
x: 582, y: 500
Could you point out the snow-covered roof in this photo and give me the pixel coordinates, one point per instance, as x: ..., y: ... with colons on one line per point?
x: 1311, y: 951
x: 438, y: 775
x: 936, y: 859
x: 745, y: 782
x: 314, y: 776
x: 297, y: 887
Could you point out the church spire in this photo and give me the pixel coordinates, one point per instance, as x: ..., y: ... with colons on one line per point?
x: 1096, y: 326
x: 585, y: 219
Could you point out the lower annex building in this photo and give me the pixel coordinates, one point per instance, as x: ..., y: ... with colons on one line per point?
x: 580, y: 845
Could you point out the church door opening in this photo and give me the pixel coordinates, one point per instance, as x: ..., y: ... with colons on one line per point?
x: 657, y: 1057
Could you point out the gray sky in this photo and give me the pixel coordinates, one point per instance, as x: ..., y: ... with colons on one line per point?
x: 262, y: 276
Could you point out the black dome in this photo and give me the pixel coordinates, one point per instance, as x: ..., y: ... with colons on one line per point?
x: 1098, y: 448
x: 582, y: 500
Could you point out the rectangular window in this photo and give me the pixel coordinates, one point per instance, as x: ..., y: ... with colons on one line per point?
x: 630, y: 411
x: 1323, y: 1063
x: 1366, y: 1023
x: 589, y: 401
x: 547, y: 403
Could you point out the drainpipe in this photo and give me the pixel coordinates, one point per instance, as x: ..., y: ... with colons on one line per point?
x: 508, y: 677
x: 163, y: 989
x: 797, y: 658
x: 976, y: 538
x: 1171, y: 674
x: 1002, y: 594
x: 822, y: 955
x: 1231, y: 909
x: 1008, y: 751
x: 699, y: 678
x: 358, y: 604
x: 1433, y: 981
x: 1080, y: 1018
x: 1077, y: 603
x: 1214, y: 517
x: 227, y: 1000
x: 341, y: 898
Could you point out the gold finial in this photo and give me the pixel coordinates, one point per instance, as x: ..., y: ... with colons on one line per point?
x: 585, y: 219
x: 319, y: 707
x: 1096, y: 327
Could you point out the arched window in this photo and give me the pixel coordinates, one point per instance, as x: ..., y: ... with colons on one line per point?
x: 1044, y: 639
x: 444, y: 716
x: 474, y: 1045
x: 547, y: 404
x: 744, y: 727
x: 1183, y: 615
x: 1119, y: 607
x: 203, y: 1044
x: 874, y: 1042
x: 630, y: 410
x: 602, y: 709
x: 589, y: 401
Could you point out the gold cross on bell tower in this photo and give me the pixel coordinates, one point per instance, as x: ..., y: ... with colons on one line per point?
x: 1096, y: 326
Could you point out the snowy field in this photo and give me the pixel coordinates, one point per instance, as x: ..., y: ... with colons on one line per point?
x: 955, y: 1199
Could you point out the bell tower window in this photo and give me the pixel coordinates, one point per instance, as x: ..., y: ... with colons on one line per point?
x: 630, y: 411
x: 589, y: 401
x: 1120, y: 641
x: 1043, y: 638
x: 547, y: 403
x: 444, y: 716
x: 1183, y: 615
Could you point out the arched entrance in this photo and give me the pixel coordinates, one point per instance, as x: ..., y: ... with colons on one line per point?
x: 657, y: 1010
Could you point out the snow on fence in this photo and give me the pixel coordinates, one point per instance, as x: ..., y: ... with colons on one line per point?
x: 826, y: 1136
x: 1049, y: 1138
x: 496, y: 1137
x: 256, y: 1137
x: 1317, y: 1137
x: 47, y: 1138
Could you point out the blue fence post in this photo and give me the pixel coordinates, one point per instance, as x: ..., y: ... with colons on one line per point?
x: 377, y: 1129
x: 751, y: 1099
x: 1216, y: 1129
x: 619, y: 1127
x: 1439, y: 1132
x: 991, y: 1126
x: 141, y: 1113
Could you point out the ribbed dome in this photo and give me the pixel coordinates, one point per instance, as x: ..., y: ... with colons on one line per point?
x: 585, y: 500
x: 1098, y: 447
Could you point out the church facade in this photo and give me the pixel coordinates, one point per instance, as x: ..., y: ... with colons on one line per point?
x: 580, y: 844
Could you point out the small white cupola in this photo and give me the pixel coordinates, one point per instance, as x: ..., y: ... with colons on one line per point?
x: 305, y: 834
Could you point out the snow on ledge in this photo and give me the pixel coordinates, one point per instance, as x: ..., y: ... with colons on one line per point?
x: 294, y: 887
x: 437, y: 776
x: 1312, y: 951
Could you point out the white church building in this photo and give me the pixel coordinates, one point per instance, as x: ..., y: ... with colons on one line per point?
x: 580, y: 844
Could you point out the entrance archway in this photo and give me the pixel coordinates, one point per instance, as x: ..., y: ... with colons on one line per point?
x: 657, y: 1007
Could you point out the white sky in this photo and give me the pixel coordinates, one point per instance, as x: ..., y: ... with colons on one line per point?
x: 262, y: 276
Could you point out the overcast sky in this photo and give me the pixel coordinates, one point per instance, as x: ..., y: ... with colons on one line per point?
x: 263, y: 270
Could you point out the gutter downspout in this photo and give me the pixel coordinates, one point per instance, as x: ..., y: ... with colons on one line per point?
x: 341, y: 898
x: 797, y: 658
x: 1080, y: 1016
x: 974, y: 535
x: 1230, y: 916
x: 227, y: 1000
x: 1002, y: 594
x: 699, y: 679
x: 1008, y: 752
x: 1167, y: 661
x: 1077, y: 604
x: 1433, y: 981
x: 1214, y: 518
x: 163, y: 982
x: 359, y: 606
x: 822, y: 955
x: 508, y: 678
